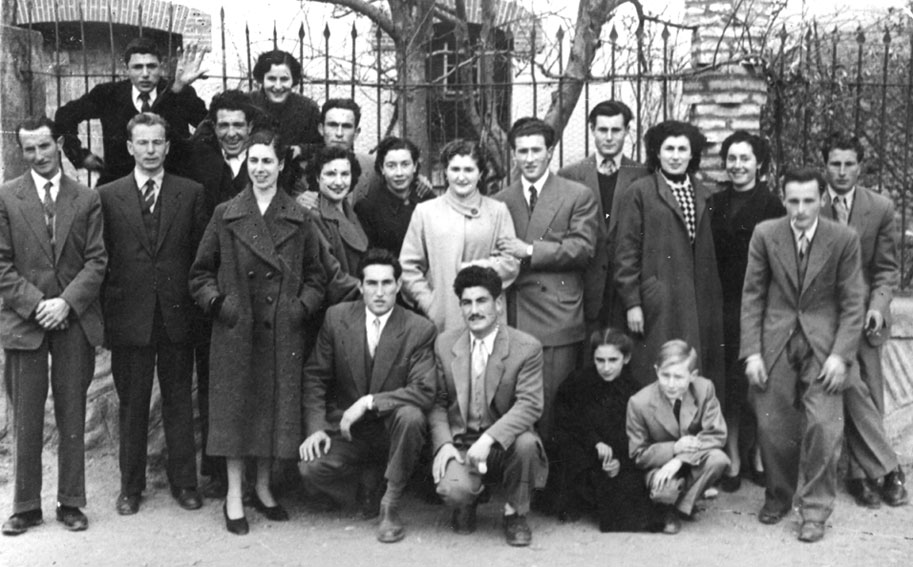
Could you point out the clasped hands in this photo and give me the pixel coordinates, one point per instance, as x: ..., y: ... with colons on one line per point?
x: 610, y: 465
x: 477, y: 455
x: 52, y: 314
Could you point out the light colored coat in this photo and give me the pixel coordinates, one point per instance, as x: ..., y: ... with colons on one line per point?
x: 434, y: 251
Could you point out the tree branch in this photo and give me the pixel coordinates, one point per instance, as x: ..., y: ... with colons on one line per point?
x: 378, y: 16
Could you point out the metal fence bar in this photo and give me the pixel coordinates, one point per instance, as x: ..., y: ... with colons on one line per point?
x: 224, y: 51
x: 613, y: 38
x: 807, y: 110
x: 111, y: 41
x: 905, y: 189
x: 354, y: 69
x: 85, y: 68
x: 326, y: 61
x: 171, y: 34
x: 57, y: 76
x: 857, y: 112
x: 300, y: 53
x: 884, y: 104
x: 139, y: 19
x: 639, y: 83
x: 532, y: 70
x: 665, y: 91
x: 378, y: 37
x: 250, y: 69
x: 560, y: 38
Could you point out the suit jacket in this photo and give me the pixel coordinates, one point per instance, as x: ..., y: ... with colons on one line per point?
x: 142, y: 273
x: 112, y: 103
x: 598, y: 296
x: 513, y: 386
x: 829, y: 306
x: 31, y: 269
x: 207, y: 166
x: 653, y: 430
x: 547, y: 297
x: 872, y: 218
x: 335, y: 378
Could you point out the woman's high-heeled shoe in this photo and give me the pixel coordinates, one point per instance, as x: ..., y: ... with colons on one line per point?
x: 237, y: 527
x: 275, y: 513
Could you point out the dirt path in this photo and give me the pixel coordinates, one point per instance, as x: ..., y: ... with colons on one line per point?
x: 727, y: 534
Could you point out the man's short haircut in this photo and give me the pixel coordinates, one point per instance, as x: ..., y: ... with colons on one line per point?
x: 477, y: 276
x: 232, y: 100
x: 842, y: 141
x: 804, y: 175
x: 142, y: 46
x: 657, y: 135
x: 325, y: 155
x: 392, y: 143
x: 758, y: 146
x: 343, y: 103
x: 611, y: 336
x: 146, y: 119
x: 528, y: 126
x: 610, y: 108
x: 267, y: 59
x: 676, y: 351
x: 381, y: 257
x: 461, y: 147
x: 33, y: 123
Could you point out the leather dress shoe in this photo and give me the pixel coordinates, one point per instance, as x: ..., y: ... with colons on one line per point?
x: 463, y: 521
x: 863, y: 491
x: 893, y: 491
x: 517, y: 531
x: 672, y: 523
x: 368, y: 499
x: 771, y: 516
x: 215, y: 488
x: 188, y: 498
x: 127, y: 504
x: 238, y: 526
x: 274, y: 513
x: 811, y: 532
x: 72, y: 518
x: 21, y: 522
x: 391, y: 528
x: 730, y: 483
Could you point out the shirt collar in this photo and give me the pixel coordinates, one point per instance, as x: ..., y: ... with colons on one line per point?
x: 809, y: 232
x: 153, y: 94
x: 369, y: 318
x: 235, y: 162
x: 849, y: 196
x: 539, y: 184
x: 488, y: 340
x: 141, y: 179
x: 616, y: 158
x: 40, y: 181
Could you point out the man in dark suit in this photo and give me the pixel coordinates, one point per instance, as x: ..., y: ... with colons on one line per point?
x: 367, y: 386
x: 802, y: 314
x: 871, y: 456
x: 489, y: 396
x: 153, y: 224
x: 607, y: 173
x: 117, y: 102
x: 557, y: 223
x: 52, y: 263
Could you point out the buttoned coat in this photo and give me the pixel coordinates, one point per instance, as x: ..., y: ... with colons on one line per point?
x: 829, y: 306
x: 335, y: 376
x: 267, y: 270
x: 675, y: 283
x: 653, y: 430
x: 342, y: 230
x: 141, y: 272
x: 31, y: 269
x: 599, y: 297
x: 513, y: 387
x: 547, y: 298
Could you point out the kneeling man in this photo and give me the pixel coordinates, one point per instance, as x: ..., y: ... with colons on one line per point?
x: 367, y: 387
x: 489, y: 397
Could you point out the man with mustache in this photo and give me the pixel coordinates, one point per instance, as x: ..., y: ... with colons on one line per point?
x: 115, y: 103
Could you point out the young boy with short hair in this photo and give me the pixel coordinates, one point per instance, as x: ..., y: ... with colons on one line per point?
x: 676, y: 433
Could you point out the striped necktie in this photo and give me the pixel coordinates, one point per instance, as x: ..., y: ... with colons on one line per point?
x: 50, y: 209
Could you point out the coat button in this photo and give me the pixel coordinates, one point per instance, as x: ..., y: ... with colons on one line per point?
x: 269, y: 298
x: 269, y: 275
x: 251, y: 274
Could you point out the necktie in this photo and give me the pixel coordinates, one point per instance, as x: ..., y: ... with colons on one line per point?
x: 149, y: 196
x: 144, y: 102
x: 843, y: 214
x: 374, y: 337
x: 49, y: 209
x: 607, y: 166
x: 677, y: 410
x: 802, y: 246
x: 533, y: 198
x: 479, y: 359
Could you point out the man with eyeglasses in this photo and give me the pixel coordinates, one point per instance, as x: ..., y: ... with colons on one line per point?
x: 153, y: 224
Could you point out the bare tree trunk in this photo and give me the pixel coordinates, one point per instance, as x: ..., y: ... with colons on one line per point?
x: 412, y: 20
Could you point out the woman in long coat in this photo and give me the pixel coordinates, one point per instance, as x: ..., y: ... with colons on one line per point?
x: 665, y: 263
x: 258, y: 273
x: 457, y: 229
x: 735, y: 211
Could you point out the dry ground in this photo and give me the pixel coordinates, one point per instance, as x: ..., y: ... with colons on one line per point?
x: 727, y: 534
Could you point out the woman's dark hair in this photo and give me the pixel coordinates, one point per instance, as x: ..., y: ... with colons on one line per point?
x: 758, y: 147
x: 268, y: 138
x: 461, y: 147
x: 655, y: 136
x: 324, y: 156
x: 392, y: 143
x: 277, y: 57
x: 611, y: 336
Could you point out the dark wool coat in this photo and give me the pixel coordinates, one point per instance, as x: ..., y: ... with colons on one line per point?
x: 674, y: 282
x: 266, y: 272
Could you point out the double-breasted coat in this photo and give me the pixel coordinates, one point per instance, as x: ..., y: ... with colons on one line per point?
x: 675, y: 282
x: 266, y: 273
